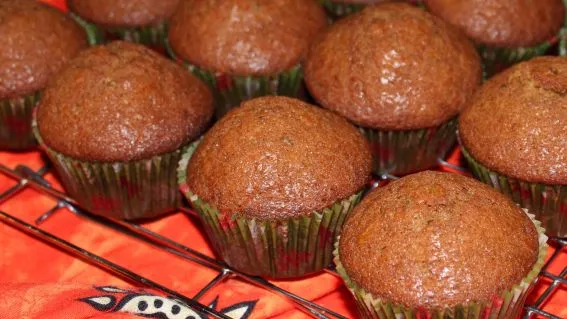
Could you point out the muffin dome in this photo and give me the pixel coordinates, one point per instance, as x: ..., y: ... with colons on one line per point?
x: 437, y: 240
x: 245, y: 37
x: 517, y: 122
x: 503, y: 23
x: 37, y: 42
x: 278, y: 157
x: 393, y: 66
x: 122, y: 102
x: 124, y: 13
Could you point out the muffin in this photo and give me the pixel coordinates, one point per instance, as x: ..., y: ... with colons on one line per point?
x: 399, y: 73
x: 506, y: 31
x: 115, y: 122
x: 140, y: 21
x: 439, y: 245
x: 245, y: 48
x: 273, y: 181
x: 514, y: 136
x: 38, y: 41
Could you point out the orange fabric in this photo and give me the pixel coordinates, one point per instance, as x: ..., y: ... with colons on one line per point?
x: 40, y: 281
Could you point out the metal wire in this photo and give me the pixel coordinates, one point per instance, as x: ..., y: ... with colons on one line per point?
x: 26, y: 177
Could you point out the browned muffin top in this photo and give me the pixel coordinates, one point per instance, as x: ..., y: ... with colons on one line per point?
x: 437, y: 239
x: 122, y: 102
x: 278, y: 157
x: 393, y: 66
x: 37, y: 41
x: 517, y: 122
x: 503, y: 23
x: 245, y: 37
x: 124, y: 13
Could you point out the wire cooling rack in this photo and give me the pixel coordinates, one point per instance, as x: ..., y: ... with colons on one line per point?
x: 24, y: 177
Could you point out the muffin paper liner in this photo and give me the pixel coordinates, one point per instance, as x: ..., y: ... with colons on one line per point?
x: 338, y: 10
x: 278, y: 249
x: 404, y: 152
x: 231, y: 90
x: 563, y: 42
x: 151, y: 35
x: 495, y: 59
x: 15, y: 121
x: 563, y: 35
x: 507, y: 305
x: 123, y: 190
x: 547, y: 202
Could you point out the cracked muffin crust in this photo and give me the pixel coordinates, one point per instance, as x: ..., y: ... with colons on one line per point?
x: 277, y: 157
x: 517, y: 122
x: 122, y: 102
x: 437, y: 240
x: 393, y: 66
x: 38, y: 42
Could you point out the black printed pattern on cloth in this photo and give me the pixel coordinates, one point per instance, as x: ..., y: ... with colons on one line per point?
x: 148, y: 305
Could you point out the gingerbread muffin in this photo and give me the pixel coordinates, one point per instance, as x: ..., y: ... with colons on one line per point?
x: 399, y: 73
x: 506, y: 31
x: 245, y: 48
x: 38, y: 42
x: 142, y: 21
x: 115, y: 121
x: 276, y: 168
x: 514, y: 135
x: 439, y: 245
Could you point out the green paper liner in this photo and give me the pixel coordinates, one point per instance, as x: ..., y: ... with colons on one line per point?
x: 563, y: 35
x: 495, y: 59
x: 153, y: 35
x: 338, y: 10
x: 15, y: 121
x: 122, y: 190
x: 405, y: 152
x: 285, y: 248
x: 507, y: 305
x: 563, y: 42
x: 547, y: 202
x: 231, y: 90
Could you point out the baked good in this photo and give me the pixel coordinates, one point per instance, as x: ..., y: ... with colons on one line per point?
x: 515, y: 137
x: 438, y: 245
x: 506, y: 31
x: 116, y: 118
x: 141, y: 21
x: 401, y: 74
x: 245, y: 48
x: 28, y: 60
x: 281, y: 168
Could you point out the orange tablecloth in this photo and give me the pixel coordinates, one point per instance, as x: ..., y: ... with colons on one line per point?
x: 40, y: 281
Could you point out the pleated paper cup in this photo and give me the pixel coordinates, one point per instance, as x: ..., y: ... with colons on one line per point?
x: 282, y: 248
x: 16, y: 122
x: 405, y: 152
x: 338, y: 10
x: 547, y: 202
x: 506, y: 305
x: 122, y: 190
x: 152, y: 35
x: 495, y: 59
x: 231, y: 90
